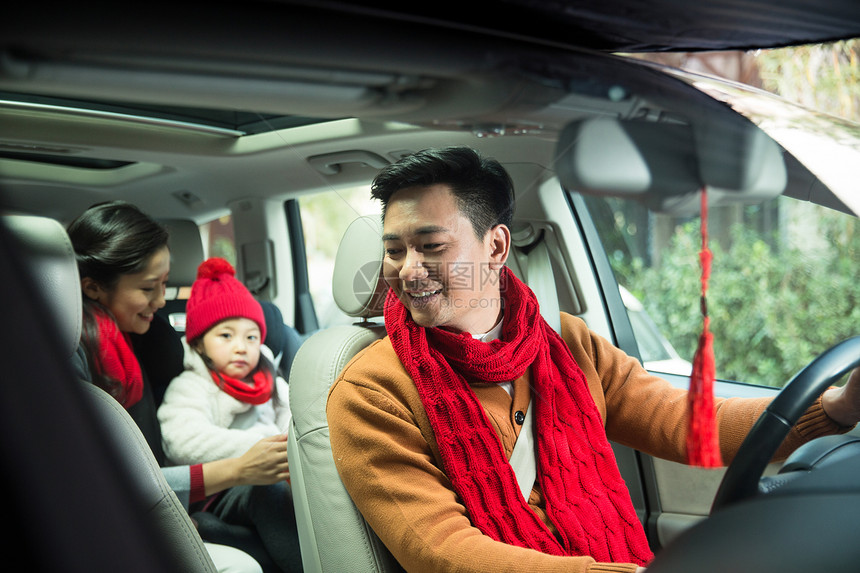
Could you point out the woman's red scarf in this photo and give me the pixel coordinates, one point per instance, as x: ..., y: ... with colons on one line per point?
x: 259, y: 393
x: 586, y: 498
x: 117, y: 360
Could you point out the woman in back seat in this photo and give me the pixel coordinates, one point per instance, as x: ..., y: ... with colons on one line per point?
x: 124, y: 261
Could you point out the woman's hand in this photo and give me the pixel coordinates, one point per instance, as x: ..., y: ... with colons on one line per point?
x: 264, y: 463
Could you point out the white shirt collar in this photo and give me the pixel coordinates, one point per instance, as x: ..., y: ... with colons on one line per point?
x: 493, y: 334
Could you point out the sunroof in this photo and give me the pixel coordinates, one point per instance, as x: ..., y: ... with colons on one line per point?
x: 53, y: 159
x: 248, y: 123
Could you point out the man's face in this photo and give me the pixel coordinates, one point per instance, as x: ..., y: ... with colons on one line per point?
x: 438, y: 268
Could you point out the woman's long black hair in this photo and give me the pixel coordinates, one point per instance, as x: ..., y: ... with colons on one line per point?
x: 110, y: 240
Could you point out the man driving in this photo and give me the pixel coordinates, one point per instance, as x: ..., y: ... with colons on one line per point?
x: 424, y: 422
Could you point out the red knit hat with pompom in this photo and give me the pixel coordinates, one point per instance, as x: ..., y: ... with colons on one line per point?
x: 218, y: 295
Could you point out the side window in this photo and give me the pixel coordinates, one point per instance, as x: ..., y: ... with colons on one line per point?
x: 782, y: 288
x: 325, y: 217
x: 218, y: 239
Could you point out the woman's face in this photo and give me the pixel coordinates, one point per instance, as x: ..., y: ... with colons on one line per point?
x: 136, y: 297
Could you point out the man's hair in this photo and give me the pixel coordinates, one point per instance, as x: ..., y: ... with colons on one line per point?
x: 482, y: 188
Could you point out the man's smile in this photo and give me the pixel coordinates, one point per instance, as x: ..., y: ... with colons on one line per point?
x: 423, y: 294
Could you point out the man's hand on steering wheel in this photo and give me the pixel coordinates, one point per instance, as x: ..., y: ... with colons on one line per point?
x: 843, y: 404
x: 742, y: 477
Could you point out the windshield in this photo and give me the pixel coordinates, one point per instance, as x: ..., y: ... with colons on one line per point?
x: 783, y: 286
x: 828, y: 146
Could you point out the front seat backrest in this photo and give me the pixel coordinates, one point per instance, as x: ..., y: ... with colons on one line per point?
x: 186, y: 254
x: 164, y: 509
x: 333, y: 535
x: 46, y: 247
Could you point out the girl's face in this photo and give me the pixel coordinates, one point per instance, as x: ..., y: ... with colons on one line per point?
x: 233, y: 346
x: 136, y: 297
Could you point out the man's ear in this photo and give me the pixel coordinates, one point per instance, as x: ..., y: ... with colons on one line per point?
x: 499, y: 243
x: 92, y: 289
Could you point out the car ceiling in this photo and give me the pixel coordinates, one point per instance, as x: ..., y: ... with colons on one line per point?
x: 644, y: 26
x: 277, y: 61
x: 497, y: 72
x: 609, y: 25
x: 415, y: 62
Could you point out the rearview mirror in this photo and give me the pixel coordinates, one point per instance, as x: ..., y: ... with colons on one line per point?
x: 664, y: 164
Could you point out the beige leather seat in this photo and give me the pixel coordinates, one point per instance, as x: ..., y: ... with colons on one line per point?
x: 44, y: 244
x: 334, y: 536
x: 186, y: 254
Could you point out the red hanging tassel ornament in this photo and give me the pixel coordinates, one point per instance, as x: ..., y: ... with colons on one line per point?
x: 703, y: 444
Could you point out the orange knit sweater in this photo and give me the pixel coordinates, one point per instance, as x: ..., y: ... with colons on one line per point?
x: 388, y: 459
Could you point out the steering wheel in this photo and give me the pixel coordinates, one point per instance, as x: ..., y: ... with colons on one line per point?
x: 742, y: 476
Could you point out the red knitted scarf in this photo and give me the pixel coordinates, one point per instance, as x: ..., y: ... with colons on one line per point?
x: 586, y: 498
x: 257, y: 394
x: 117, y: 360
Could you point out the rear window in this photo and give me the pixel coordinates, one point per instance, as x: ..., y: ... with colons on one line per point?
x: 325, y: 218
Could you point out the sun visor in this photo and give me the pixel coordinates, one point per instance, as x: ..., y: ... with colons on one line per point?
x: 664, y: 165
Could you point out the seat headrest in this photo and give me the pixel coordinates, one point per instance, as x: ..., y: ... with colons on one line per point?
x: 357, y: 284
x: 186, y: 251
x: 47, y: 250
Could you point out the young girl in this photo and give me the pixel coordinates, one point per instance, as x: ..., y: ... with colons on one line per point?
x: 227, y: 399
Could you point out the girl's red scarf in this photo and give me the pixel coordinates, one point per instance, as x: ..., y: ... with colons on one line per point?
x: 117, y: 360
x: 259, y: 393
x: 586, y: 498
